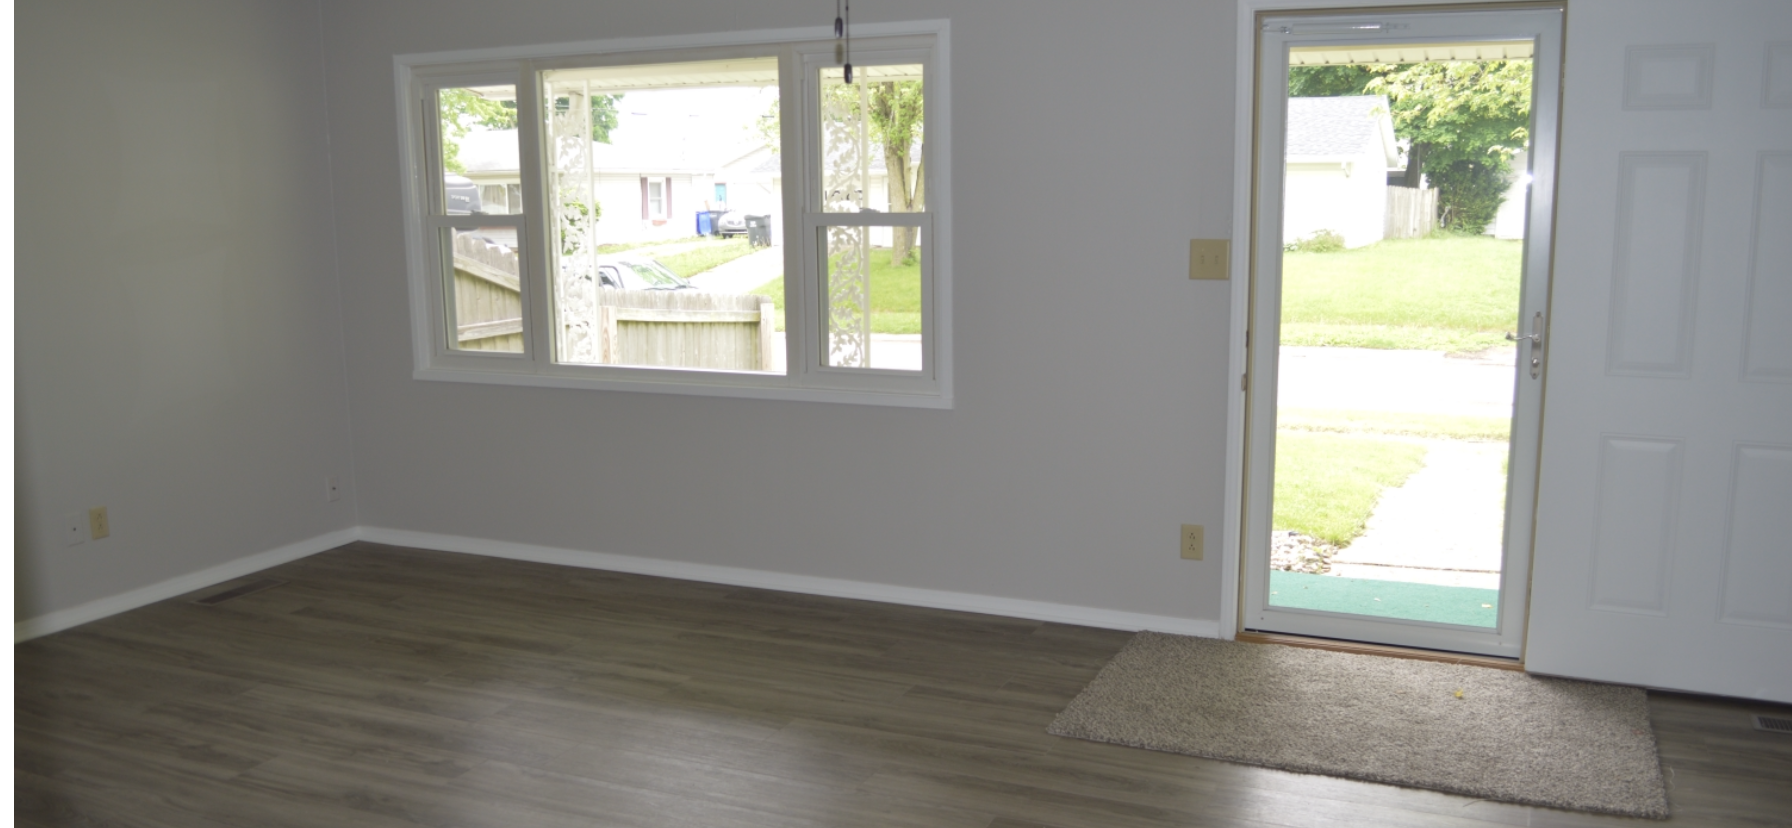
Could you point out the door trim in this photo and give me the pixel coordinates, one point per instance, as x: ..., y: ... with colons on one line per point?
x: 1243, y: 267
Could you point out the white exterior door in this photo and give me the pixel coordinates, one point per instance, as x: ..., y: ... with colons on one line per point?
x: 1664, y: 513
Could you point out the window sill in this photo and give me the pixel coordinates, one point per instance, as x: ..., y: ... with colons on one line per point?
x: 742, y: 390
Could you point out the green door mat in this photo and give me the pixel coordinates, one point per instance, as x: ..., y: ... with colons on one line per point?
x: 1388, y: 599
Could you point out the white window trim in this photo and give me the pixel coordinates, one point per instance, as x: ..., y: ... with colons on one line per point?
x: 806, y: 380
x: 664, y: 183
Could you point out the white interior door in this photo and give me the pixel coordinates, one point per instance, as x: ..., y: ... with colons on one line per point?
x: 1664, y: 520
x: 1437, y: 36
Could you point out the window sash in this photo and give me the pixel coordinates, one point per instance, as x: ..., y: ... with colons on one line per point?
x: 825, y: 337
x: 807, y: 377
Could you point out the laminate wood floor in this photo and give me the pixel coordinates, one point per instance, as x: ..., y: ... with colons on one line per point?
x: 383, y: 686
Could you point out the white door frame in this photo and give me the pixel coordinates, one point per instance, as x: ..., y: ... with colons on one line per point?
x: 1234, y: 558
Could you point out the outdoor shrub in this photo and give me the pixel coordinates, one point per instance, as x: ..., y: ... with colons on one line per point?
x: 1320, y: 241
x: 1469, y: 194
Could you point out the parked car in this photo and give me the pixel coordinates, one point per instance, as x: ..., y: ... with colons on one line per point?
x: 639, y: 274
x: 731, y: 223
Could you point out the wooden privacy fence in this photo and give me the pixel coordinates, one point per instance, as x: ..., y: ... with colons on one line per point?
x: 610, y: 326
x: 1412, y: 213
x: 685, y: 329
x: 488, y: 307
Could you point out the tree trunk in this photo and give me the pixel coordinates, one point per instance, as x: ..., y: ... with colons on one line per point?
x: 895, y: 123
x: 902, y: 239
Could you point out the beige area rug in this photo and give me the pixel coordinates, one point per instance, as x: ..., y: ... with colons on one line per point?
x: 1480, y: 732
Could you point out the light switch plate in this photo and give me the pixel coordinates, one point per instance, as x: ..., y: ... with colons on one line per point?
x: 1209, y: 259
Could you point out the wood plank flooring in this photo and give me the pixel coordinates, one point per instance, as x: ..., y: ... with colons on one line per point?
x: 385, y: 687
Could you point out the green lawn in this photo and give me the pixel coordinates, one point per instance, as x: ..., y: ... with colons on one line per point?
x: 895, y: 295
x: 709, y: 253
x: 1448, y: 293
x: 1327, y: 484
x: 619, y: 247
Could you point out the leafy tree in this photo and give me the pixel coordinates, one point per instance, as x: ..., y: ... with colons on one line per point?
x: 1464, y: 121
x: 896, y: 121
x: 1329, y: 81
x: 603, y: 114
x: 896, y: 116
x: 463, y: 109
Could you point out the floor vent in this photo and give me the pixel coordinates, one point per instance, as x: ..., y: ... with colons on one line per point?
x: 1773, y: 724
x: 238, y: 592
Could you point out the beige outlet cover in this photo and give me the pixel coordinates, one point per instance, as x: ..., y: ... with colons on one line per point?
x: 1194, y: 541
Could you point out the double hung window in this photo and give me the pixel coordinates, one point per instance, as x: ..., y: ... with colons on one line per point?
x: 559, y: 233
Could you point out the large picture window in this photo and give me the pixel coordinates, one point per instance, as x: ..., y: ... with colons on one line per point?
x: 728, y: 219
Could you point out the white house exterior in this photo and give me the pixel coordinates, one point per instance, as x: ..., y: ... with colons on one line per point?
x: 1509, y: 222
x: 646, y: 192
x: 1338, y: 157
x: 651, y: 192
x: 753, y: 182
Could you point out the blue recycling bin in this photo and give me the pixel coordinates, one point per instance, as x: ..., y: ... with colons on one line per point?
x: 705, y: 223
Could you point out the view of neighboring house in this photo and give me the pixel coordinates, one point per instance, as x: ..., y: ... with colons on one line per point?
x: 1340, y: 151
x: 1509, y: 222
x: 648, y: 191
x: 751, y: 181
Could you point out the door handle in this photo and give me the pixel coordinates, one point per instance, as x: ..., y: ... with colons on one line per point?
x: 1536, y: 339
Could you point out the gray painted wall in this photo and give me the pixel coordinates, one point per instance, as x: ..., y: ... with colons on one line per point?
x: 179, y: 345
x: 1091, y: 142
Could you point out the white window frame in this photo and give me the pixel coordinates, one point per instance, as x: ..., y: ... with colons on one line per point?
x: 657, y: 212
x: 800, y: 52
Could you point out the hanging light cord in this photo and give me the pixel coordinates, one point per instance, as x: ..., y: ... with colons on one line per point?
x: 843, y: 32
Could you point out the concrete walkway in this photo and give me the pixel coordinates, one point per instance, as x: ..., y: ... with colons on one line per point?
x: 1428, y: 382
x: 743, y: 274
x: 1445, y: 524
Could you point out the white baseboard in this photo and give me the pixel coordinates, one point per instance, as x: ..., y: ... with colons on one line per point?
x: 734, y: 576
x: 95, y: 610
x: 809, y: 585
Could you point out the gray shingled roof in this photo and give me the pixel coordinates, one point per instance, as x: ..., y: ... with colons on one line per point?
x: 1333, y: 127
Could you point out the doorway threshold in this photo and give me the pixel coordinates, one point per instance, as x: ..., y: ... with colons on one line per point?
x: 1386, y: 650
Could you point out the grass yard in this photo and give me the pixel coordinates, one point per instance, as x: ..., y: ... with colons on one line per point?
x: 1445, y: 293
x: 895, y: 295
x: 707, y: 254
x: 1327, y: 484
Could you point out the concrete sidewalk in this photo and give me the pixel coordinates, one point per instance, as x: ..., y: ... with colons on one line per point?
x: 1445, y: 525
x: 743, y: 274
x: 1428, y: 382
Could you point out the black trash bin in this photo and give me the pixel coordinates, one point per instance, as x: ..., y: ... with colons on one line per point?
x: 759, y: 231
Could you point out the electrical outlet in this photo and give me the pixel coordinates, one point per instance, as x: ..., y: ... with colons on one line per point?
x: 1207, y: 259
x: 332, y: 489
x: 97, y: 525
x: 1193, y: 541
x: 74, y: 529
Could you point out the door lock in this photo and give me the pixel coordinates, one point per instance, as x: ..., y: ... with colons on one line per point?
x: 1535, y: 337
